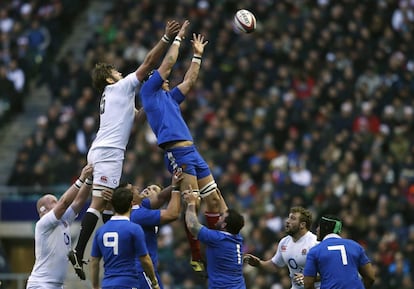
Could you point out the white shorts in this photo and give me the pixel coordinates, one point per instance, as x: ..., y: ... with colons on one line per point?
x: 43, y: 285
x: 107, y: 166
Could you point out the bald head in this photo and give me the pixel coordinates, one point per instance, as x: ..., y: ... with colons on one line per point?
x: 45, y: 204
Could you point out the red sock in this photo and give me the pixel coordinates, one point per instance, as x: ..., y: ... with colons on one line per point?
x: 212, y: 219
x: 194, y: 245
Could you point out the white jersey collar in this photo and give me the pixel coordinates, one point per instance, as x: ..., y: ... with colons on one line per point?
x: 118, y: 218
x: 332, y: 235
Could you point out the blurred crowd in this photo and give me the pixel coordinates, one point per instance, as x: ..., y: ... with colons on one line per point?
x: 31, y: 33
x: 315, y: 108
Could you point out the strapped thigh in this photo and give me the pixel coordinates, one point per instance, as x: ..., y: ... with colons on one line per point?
x: 208, y: 189
x: 97, y: 190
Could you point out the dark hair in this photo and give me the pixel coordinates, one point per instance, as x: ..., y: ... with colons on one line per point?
x: 100, y: 73
x: 329, y: 224
x: 305, y: 215
x: 234, y: 221
x: 121, y: 200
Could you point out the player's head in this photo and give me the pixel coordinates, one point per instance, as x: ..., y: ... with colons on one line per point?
x: 328, y: 224
x: 122, y: 199
x: 298, y: 222
x: 230, y: 221
x: 45, y: 204
x: 104, y: 74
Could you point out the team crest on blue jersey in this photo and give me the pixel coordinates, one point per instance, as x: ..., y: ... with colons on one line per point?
x: 304, y: 251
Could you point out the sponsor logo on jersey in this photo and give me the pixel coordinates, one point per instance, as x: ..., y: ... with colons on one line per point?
x: 304, y: 251
x: 104, y: 179
x: 284, y: 248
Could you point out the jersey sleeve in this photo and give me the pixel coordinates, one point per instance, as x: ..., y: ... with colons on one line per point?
x: 146, y: 203
x: 47, y: 222
x: 363, y: 258
x: 69, y: 216
x: 139, y: 241
x: 128, y: 83
x: 277, y: 259
x: 177, y: 95
x: 311, y: 268
x: 96, y: 251
x: 146, y: 217
x: 209, y: 236
x: 149, y: 90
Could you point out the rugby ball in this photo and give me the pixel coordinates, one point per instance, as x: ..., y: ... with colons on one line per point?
x: 244, y: 21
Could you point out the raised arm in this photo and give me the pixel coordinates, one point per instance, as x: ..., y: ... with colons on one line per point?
x: 171, y: 57
x: 156, y: 52
x: 78, y: 188
x: 172, y: 212
x: 191, y: 75
x: 158, y: 197
x: 191, y: 219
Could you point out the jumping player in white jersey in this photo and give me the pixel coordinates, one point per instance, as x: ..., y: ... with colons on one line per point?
x: 117, y: 114
x: 292, y: 249
x: 52, y: 233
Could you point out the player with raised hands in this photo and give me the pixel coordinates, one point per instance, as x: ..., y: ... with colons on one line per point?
x: 162, y: 108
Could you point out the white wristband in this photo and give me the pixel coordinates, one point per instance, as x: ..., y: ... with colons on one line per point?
x: 78, y: 184
x: 165, y: 39
x: 196, y: 60
x: 89, y: 182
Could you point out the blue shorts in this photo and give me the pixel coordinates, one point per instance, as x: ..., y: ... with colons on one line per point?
x: 188, y: 159
x: 144, y: 282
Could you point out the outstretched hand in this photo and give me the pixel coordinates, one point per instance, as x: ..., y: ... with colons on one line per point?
x: 183, y: 30
x: 86, y: 172
x: 251, y: 260
x: 190, y: 196
x: 198, y: 44
x: 172, y: 28
x: 177, y: 177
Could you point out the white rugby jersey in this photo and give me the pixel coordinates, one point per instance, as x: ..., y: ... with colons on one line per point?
x: 293, y: 254
x: 117, y: 112
x: 52, y: 244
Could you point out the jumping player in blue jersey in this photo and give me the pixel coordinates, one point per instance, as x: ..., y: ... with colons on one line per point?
x: 338, y: 261
x: 162, y: 108
x: 223, y: 245
x: 146, y: 212
x: 120, y: 243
